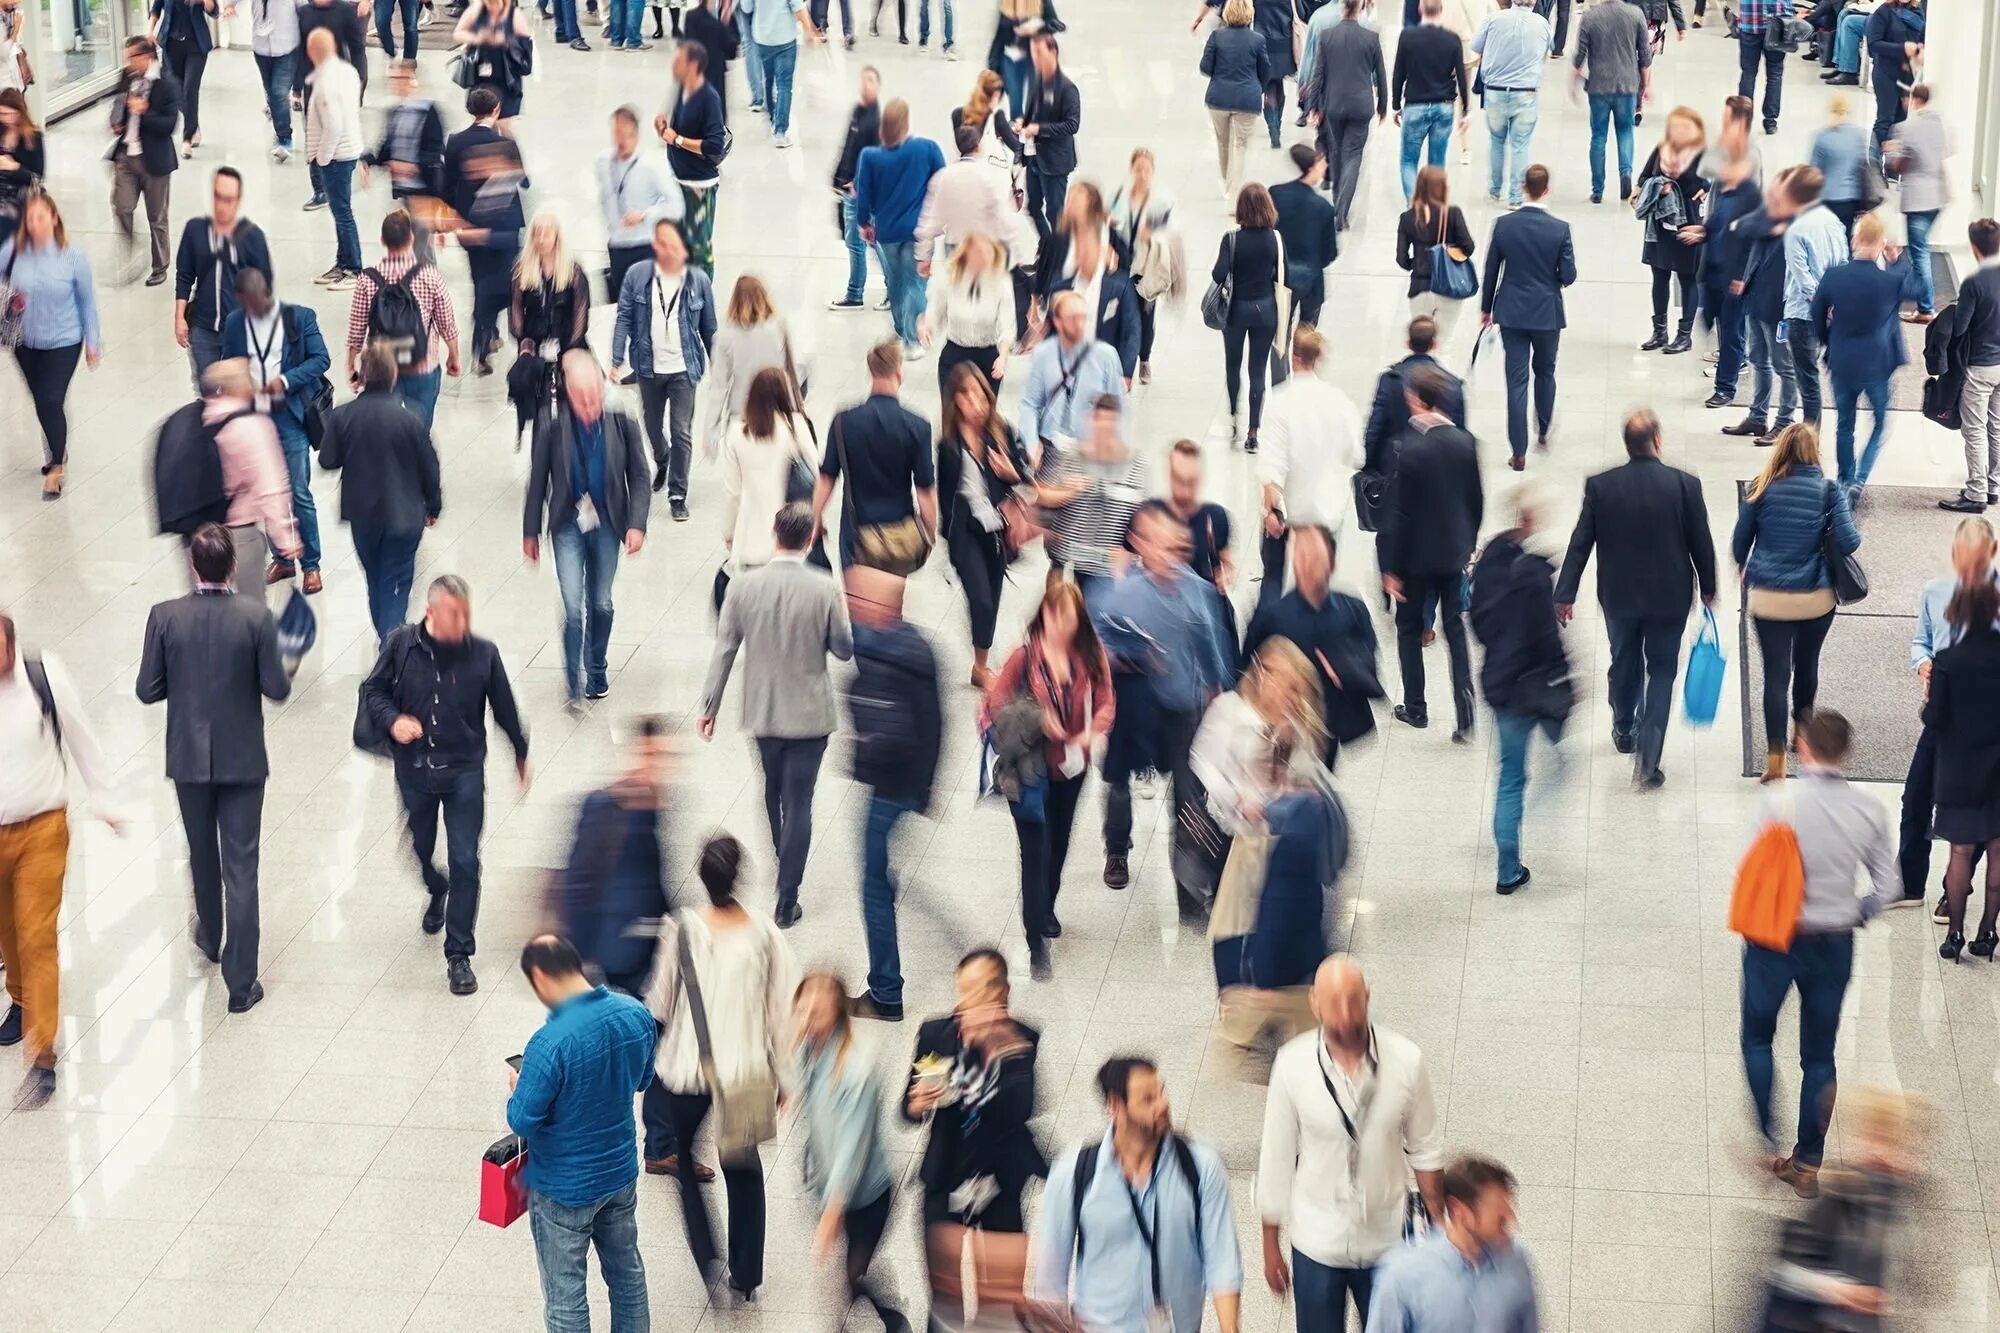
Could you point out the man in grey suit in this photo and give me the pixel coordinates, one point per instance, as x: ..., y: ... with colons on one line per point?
x: 213, y: 656
x: 1346, y: 69
x: 788, y: 615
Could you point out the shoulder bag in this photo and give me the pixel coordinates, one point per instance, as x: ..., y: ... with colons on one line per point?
x: 746, y: 1114
x: 1452, y: 275
x: 1843, y: 571
x: 1215, y: 301
x: 898, y: 547
x: 13, y: 305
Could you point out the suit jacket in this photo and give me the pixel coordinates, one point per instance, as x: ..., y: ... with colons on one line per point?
x: 1347, y: 68
x: 1004, y: 1147
x: 1650, y: 527
x: 1306, y: 221
x: 1528, y: 262
x: 1389, y: 417
x: 303, y: 356
x: 214, y: 658
x: 1060, y: 119
x: 1961, y: 714
x: 179, y: 16
x: 459, y: 188
x: 628, y: 474
x: 789, y: 615
x: 389, y: 467
x: 1117, y: 315
x: 1856, y: 309
x: 157, y: 154
x: 1434, y: 505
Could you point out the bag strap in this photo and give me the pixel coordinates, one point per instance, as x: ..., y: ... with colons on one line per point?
x: 1086, y: 1171
x: 38, y: 681
x: 697, y: 1012
x: 847, y: 473
x: 1443, y: 217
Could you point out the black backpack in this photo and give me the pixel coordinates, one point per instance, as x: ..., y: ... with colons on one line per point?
x: 187, y: 471
x: 396, y: 318
x: 38, y: 681
x: 1086, y: 1171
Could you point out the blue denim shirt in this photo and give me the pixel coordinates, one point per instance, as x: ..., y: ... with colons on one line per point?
x: 1513, y: 47
x: 1935, y: 633
x: 1183, y: 616
x: 1814, y: 243
x: 840, y: 1105
x: 572, y: 1105
x: 1430, y: 1288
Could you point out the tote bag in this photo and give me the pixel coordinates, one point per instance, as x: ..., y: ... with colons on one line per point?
x: 1452, y: 274
x: 1701, y: 692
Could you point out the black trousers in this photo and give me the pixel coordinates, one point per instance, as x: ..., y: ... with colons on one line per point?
x: 982, y: 571
x: 1560, y: 21
x: 667, y: 403
x: 459, y: 795
x: 1175, y: 737
x: 1341, y: 141
x: 1663, y: 282
x: 1913, y: 850
x: 224, y: 824
x: 621, y: 259
x: 1045, y: 200
x: 48, y: 371
x: 863, y: 1228
x: 1272, y: 550
x: 1044, y: 849
x: 186, y: 62
x: 1750, y: 53
x: 1531, y: 354
x: 1149, y: 312
x: 791, y: 771
x: 1448, y: 589
x: 1791, y: 658
x: 743, y: 1185
x: 1803, y: 338
x: 875, y: 23
x: 955, y: 355
x: 1645, y: 659
x: 1257, y: 342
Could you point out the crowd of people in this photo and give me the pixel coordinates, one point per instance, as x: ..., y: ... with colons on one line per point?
x: 1006, y: 264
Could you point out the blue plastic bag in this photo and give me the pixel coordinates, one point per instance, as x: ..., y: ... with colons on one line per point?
x: 1701, y: 694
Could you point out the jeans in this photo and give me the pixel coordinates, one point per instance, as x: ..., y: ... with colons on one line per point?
x: 276, y: 73
x: 419, y: 389
x: 384, y: 11
x: 1802, y: 337
x: 857, y: 252
x: 563, y: 1237
x: 1516, y: 730
x: 339, y: 180
x: 1611, y: 112
x: 224, y: 823
x: 628, y: 24
x: 1819, y: 966
x: 1749, y: 54
x: 586, y: 563
x: 753, y: 59
x: 1847, y: 395
x: 566, y: 28
x: 1320, y: 1294
x: 1510, y: 121
x: 298, y: 462
x: 1044, y: 849
x: 389, y: 566
x: 1791, y: 657
x: 1847, y: 33
x: 945, y: 17
x: 1014, y: 77
x: 1769, y: 357
x: 791, y: 771
x: 906, y: 289
x: 1531, y: 354
x: 1729, y: 332
x: 204, y: 350
x: 1919, y: 227
x: 1419, y: 591
x: 667, y: 404
x: 460, y: 795
x: 743, y: 1183
x: 878, y: 898
x: 1427, y: 135
x: 1645, y: 659
x: 776, y: 65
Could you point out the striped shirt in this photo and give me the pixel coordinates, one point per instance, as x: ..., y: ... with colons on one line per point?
x: 430, y: 293
x: 1083, y: 533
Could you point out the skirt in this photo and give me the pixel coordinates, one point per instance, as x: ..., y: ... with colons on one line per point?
x: 1968, y: 825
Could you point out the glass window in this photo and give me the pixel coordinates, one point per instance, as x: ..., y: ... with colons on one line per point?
x: 80, y: 42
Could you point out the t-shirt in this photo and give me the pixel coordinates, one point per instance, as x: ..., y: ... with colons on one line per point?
x: 888, y: 450
x: 668, y: 359
x: 1083, y: 533
x: 772, y: 24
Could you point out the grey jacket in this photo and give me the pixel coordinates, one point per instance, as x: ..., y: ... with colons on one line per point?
x: 214, y: 658
x: 1921, y: 168
x: 788, y: 615
x: 1346, y: 69
x: 628, y: 476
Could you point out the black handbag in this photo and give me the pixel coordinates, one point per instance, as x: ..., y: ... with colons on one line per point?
x: 1371, y: 489
x: 1850, y: 581
x: 1546, y: 694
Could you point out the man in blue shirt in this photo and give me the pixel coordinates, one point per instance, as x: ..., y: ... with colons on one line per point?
x: 1814, y: 243
x: 1512, y: 46
x: 572, y: 1108
x: 1753, y: 18
x: 1467, y: 1276
x: 1137, y: 1226
x: 774, y: 37
x: 1067, y: 374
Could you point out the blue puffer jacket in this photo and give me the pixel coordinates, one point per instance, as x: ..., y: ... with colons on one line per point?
x: 1777, y: 538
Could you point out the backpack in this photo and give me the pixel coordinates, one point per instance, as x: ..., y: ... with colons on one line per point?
x: 396, y: 318
x: 1770, y: 887
x: 187, y: 471
x: 38, y: 681
x: 1086, y: 1171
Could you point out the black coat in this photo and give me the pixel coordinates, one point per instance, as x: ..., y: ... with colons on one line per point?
x: 1528, y: 263
x: 1248, y: 256
x: 448, y: 688
x: 699, y: 23
x: 1965, y: 680
x: 1650, y: 527
x: 350, y: 36
x: 1666, y: 250
x: 1434, y: 505
x: 1514, y: 616
x: 997, y: 1142
x: 389, y: 468
x: 950, y: 466
x: 1308, y: 222
x: 157, y: 154
x: 208, y: 288
x: 1389, y: 417
x: 864, y: 130
x: 1058, y: 109
x: 1414, y: 240
x: 894, y: 705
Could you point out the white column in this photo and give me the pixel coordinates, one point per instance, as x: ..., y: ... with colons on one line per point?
x: 34, y: 40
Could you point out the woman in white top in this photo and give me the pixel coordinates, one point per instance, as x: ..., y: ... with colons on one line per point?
x: 745, y: 975
x: 752, y: 339
x: 971, y: 305
x: 1140, y: 214
x: 1253, y: 736
x: 765, y: 447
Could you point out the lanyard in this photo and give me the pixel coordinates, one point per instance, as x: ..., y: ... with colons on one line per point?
x: 618, y: 190
x: 1347, y: 1122
x: 1147, y: 1233
x: 261, y: 354
x: 1059, y: 696
x: 667, y: 308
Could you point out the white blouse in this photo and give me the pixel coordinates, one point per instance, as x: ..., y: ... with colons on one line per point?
x: 747, y: 975
x: 755, y: 473
x: 972, y: 314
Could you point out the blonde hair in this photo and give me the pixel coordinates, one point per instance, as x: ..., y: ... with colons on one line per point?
x: 750, y: 302
x: 955, y: 266
x: 1280, y: 662
x: 528, y: 273
x: 1838, y: 108
x: 895, y: 123
x: 1797, y: 446
x: 1239, y: 13
x: 842, y: 1039
x: 1868, y: 230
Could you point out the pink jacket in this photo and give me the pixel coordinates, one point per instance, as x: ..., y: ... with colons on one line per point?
x: 254, y: 474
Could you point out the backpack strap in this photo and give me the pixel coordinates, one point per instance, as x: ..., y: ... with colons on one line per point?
x: 1086, y: 1171
x: 38, y: 681
x: 1185, y: 1156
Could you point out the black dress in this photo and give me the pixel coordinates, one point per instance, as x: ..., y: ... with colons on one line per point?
x: 1964, y: 680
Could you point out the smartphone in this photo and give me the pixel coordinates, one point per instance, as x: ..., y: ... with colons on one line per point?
x: 514, y: 1063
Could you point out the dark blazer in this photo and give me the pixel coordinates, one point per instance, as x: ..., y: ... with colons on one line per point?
x: 1004, y: 1146
x: 303, y: 359
x: 1237, y: 68
x: 864, y: 130
x: 1528, y: 262
x: 1058, y: 109
x: 459, y: 188
x: 1857, y: 311
x: 1414, y: 240
x: 699, y: 23
x: 157, y: 153
x: 1308, y: 222
x: 214, y: 658
x: 1650, y: 527
x: 1960, y: 713
x: 350, y: 37
x: 952, y: 507
x: 1249, y: 257
x: 1347, y: 67
x: 391, y: 481
x: 1117, y: 315
x: 429, y: 160
x: 1434, y: 505
x: 628, y: 474
x: 1760, y: 249
x: 1274, y: 21
x: 179, y: 16
x: 1389, y: 417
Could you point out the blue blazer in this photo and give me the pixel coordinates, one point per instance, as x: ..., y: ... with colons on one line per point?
x: 172, y: 13
x: 1528, y: 262
x: 1117, y: 315
x: 632, y: 335
x: 1856, y: 310
x: 303, y: 361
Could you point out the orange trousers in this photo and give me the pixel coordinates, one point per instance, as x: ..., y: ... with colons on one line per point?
x: 33, y: 856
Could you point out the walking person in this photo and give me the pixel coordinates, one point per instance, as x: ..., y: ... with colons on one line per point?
x: 548, y: 314
x: 255, y: 480
x: 213, y: 250
x: 971, y: 306
x: 385, y: 33
x: 663, y: 334
x: 1309, y: 227
x: 1238, y: 65
x: 1047, y: 126
x: 1855, y: 314
x: 1251, y: 261
x: 722, y: 993
x: 1967, y: 781
x: 890, y: 184
x: 503, y: 43
x: 1389, y: 413
x: 1072, y: 372
x: 333, y: 144
x: 143, y: 160
x: 59, y: 323
x: 1312, y: 447
x: 696, y: 133
x: 1792, y: 517
x: 1529, y: 260
x: 1333, y: 632
x: 636, y: 193
x: 974, y: 195
x: 390, y: 490
x: 1978, y: 323
x: 411, y: 149
x: 1895, y: 39
x: 483, y: 181
x: 1671, y: 202
x: 787, y: 618
x: 879, y: 453
x: 1432, y: 220
x: 1348, y: 85
x: 751, y: 339
x: 1757, y: 280
x: 1091, y: 489
x: 1814, y: 242
x: 401, y: 304
x: 23, y: 155
x: 277, y: 48
x: 213, y: 659
x: 864, y: 130
x: 571, y: 1104
x: 1840, y: 153
x: 181, y: 31
x: 1754, y: 19
x: 1020, y: 21
x: 1613, y: 66
x: 775, y: 26
x: 1084, y: 257
x: 1468, y: 1274
x: 1513, y: 46
x: 897, y: 717
x: 427, y: 697
x: 980, y: 462
x: 768, y: 449
x: 1349, y: 1115
x: 1428, y: 76
x: 1142, y: 223
x: 612, y: 893
x: 1916, y: 151
x: 281, y: 346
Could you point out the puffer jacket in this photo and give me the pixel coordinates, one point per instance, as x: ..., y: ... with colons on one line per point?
x: 1514, y: 617
x: 1777, y: 541
x: 894, y: 704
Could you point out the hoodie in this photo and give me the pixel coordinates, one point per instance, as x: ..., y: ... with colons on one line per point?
x: 893, y: 702
x: 1514, y: 616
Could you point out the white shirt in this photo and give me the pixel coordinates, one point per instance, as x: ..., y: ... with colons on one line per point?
x: 265, y: 339
x: 969, y: 195
x: 668, y: 358
x: 10, y: 49
x: 1310, y: 450
x: 1340, y: 1217
x: 333, y: 113
x: 1235, y: 756
x: 34, y: 780
x: 274, y: 27
x: 976, y: 314
x: 747, y: 975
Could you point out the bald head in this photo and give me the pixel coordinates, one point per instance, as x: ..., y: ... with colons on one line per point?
x: 874, y: 596
x: 1340, y: 1002
x: 319, y: 45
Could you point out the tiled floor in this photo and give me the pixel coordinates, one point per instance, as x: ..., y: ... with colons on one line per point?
x: 313, y: 1165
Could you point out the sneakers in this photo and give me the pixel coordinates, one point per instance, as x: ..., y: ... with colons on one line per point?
x: 1720, y: 399
x: 458, y: 975
x: 317, y: 201
x: 847, y: 303
x: 883, y: 304
x: 679, y: 510
x: 331, y: 276
x: 341, y: 280
x: 281, y: 152
x: 579, y: 45
x: 783, y: 141
x: 1941, y: 913
x: 1907, y: 900
x: 1117, y: 872
x: 913, y: 351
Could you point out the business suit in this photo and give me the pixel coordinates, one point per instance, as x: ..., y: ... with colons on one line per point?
x: 149, y: 172
x: 1117, y: 314
x: 1430, y: 525
x: 1056, y: 109
x: 1649, y: 525
x: 1310, y: 228
x: 1856, y: 312
x: 1530, y: 259
x: 789, y: 615
x: 1346, y: 69
x: 213, y: 657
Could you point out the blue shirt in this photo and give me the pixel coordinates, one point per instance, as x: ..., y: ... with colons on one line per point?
x: 61, y: 303
x: 1814, y: 243
x: 1063, y: 386
x: 1513, y: 47
x: 772, y: 24
x: 1430, y: 1288
x: 1935, y: 633
x: 1181, y: 615
x: 573, y: 1103
x: 890, y: 185
x: 1112, y: 1287
x: 842, y: 1116
x: 586, y: 463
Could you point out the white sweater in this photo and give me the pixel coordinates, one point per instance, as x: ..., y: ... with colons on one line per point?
x: 747, y: 975
x: 754, y: 472
x: 333, y: 113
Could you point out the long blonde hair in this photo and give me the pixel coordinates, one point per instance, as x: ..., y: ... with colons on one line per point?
x: 1797, y: 446
x: 842, y: 1039
x: 1279, y: 665
x: 528, y: 273
x: 960, y: 258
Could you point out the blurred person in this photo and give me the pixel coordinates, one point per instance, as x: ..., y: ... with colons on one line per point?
x: 696, y: 133
x: 23, y: 155
x: 1333, y: 630
x: 1094, y: 488
x: 1529, y: 260
x: 1312, y: 447
x: 973, y: 196
x: 1815, y: 241
x: 1978, y: 324
x: 1251, y: 261
x: 1238, y: 65
x: 864, y: 131
x: 280, y: 345
x: 1671, y: 198
x: 429, y: 692
x: 1967, y: 781
x: 1309, y: 227
x: 1134, y: 1273
x: 390, y: 488
x: 1614, y: 47
x: 410, y: 323
x: 1255, y: 737
x: 143, y: 160
x: 612, y: 892
x: 980, y: 462
x: 1842, y: 833
x: 499, y: 32
x: 1753, y: 22
x: 1428, y: 76
x: 1917, y: 151
x: 59, y: 323
x: 549, y: 313
x: 891, y: 184
x: 882, y: 453
x: 1513, y: 45
x: 1049, y: 112
x: 1792, y: 515
x: 1467, y: 1275
x: 971, y: 306
x: 275, y: 46
x: 1346, y: 84
x: 1142, y: 220
x: 768, y: 448
x: 774, y: 34
x: 1349, y: 1115
x: 789, y: 617
x: 1084, y: 257
x: 636, y: 193
x: 1840, y: 153
x: 1207, y: 525
x: 385, y: 13
x: 571, y: 1103
x: 1734, y: 196
x: 411, y: 149
x: 1855, y: 1223
x: 1068, y: 375
x: 213, y: 659
x: 722, y: 992
x: 483, y: 181
x: 1895, y: 38
x: 260, y: 517
x: 213, y: 250
x: 1757, y: 280
x: 333, y: 143
x: 751, y: 339
x: 1432, y: 220
x: 664, y: 334
x: 1855, y: 313
x: 1013, y: 35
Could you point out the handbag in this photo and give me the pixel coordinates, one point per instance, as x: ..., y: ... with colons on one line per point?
x: 1452, y: 274
x: 13, y: 306
x: 298, y: 630
x: 1281, y: 344
x: 1215, y: 301
x: 1546, y: 694
x: 746, y: 1115
x: 1850, y: 581
x: 1701, y: 693
x: 803, y: 477
x: 503, y: 1196
x: 1874, y: 189
x: 1201, y: 848
x: 1944, y: 396
x: 900, y: 546
x: 1371, y: 489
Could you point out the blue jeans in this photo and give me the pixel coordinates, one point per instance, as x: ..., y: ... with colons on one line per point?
x: 753, y: 60
x: 563, y: 1237
x: 276, y: 73
x: 1751, y: 52
x: 384, y: 11
x: 628, y: 23
x: 1515, y: 731
x: 1819, y: 966
x: 566, y: 29
x: 1770, y: 356
x: 1729, y: 332
x: 906, y: 289
x: 1847, y: 395
x: 878, y: 899
x: 338, y: 178
x: 1919, y: 225
x: 924, y: 21
x: 1014, y: 77
x: 1609, y: 111
x: 777, y: 64
x: 298, y: 462
x: 389, y: 567
x: 459, y: 795
x: 857, y: 253
x: 1426, y: 134
x: 1847, y: 34
x: 1320, y: 1294
x: 1510, y: 121
x: 586, y: 562
x: 419, y: 389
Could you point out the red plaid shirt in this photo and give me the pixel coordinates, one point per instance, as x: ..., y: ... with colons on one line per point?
x: 430, y: 293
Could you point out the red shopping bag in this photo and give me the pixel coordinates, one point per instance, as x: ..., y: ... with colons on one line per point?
x: 502, y: 1196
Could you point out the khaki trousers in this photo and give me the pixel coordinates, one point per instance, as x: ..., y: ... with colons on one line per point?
x: 129, y: 183
x: 33, y: 856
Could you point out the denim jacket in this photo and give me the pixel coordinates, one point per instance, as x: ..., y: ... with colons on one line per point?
x: 632, y: 335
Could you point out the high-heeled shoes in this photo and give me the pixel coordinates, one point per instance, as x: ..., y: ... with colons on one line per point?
x: 1984, y: 946
x: 1953, y: 942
